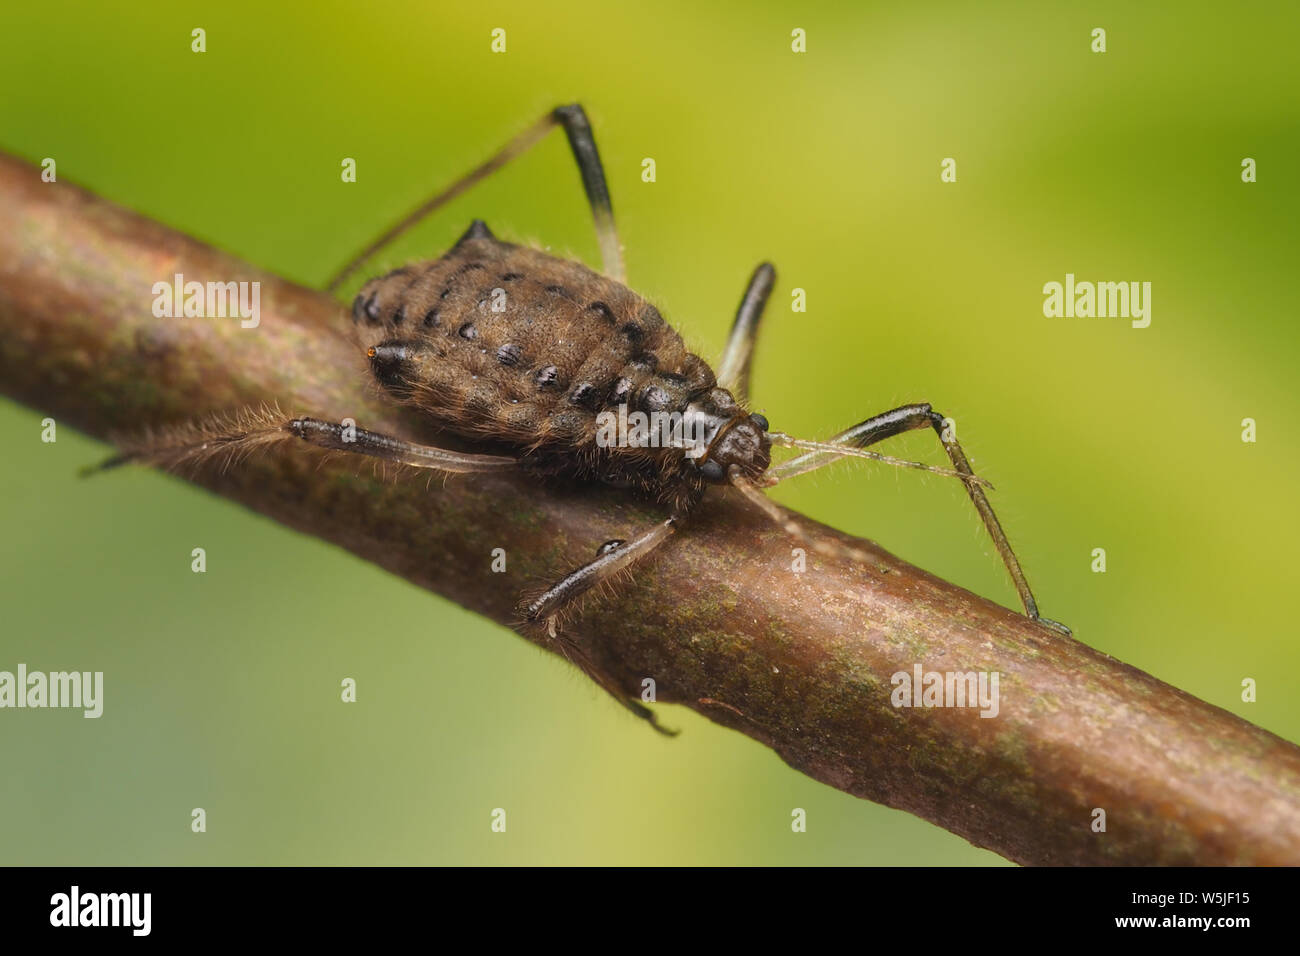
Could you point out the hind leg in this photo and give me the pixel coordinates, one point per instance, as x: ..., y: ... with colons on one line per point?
x: 230, y: 440
x: 582, y: 142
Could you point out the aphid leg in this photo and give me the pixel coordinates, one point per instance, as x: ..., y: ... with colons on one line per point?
x: 611, y: 558
x: 907, y: 418
x: 377, y: 445
x: 231, y: 439
x: 733, y: 368
x: 581, y: 141
x: 579, y: 658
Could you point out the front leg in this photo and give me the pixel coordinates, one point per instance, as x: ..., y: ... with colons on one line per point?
x: 908, y: 418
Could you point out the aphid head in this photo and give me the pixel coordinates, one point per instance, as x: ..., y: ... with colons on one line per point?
x: 728, y: 435
x: 743, y: 442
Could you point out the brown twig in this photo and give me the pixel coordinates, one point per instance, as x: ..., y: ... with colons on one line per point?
x: 799, y: 661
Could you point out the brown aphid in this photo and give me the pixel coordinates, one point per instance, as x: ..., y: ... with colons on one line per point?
x: 505, y: 343
x: 508, y: 346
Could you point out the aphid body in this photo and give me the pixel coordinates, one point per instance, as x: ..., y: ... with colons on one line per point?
x: 507, y: 344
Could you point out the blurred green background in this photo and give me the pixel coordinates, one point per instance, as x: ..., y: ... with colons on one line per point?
x: 1119, y: 166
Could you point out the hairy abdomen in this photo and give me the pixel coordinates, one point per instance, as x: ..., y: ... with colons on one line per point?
x: 506, y: 343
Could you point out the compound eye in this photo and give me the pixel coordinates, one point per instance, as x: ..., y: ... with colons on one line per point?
x: 759, y: 420
x: 712, y: 471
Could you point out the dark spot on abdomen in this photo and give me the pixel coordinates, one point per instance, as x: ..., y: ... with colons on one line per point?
x: 586, y: 395
x: 547, y: 377
x: 602, y: 310
x: 655, y: 399
x: 644, y: 361
x: 619, y: 392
